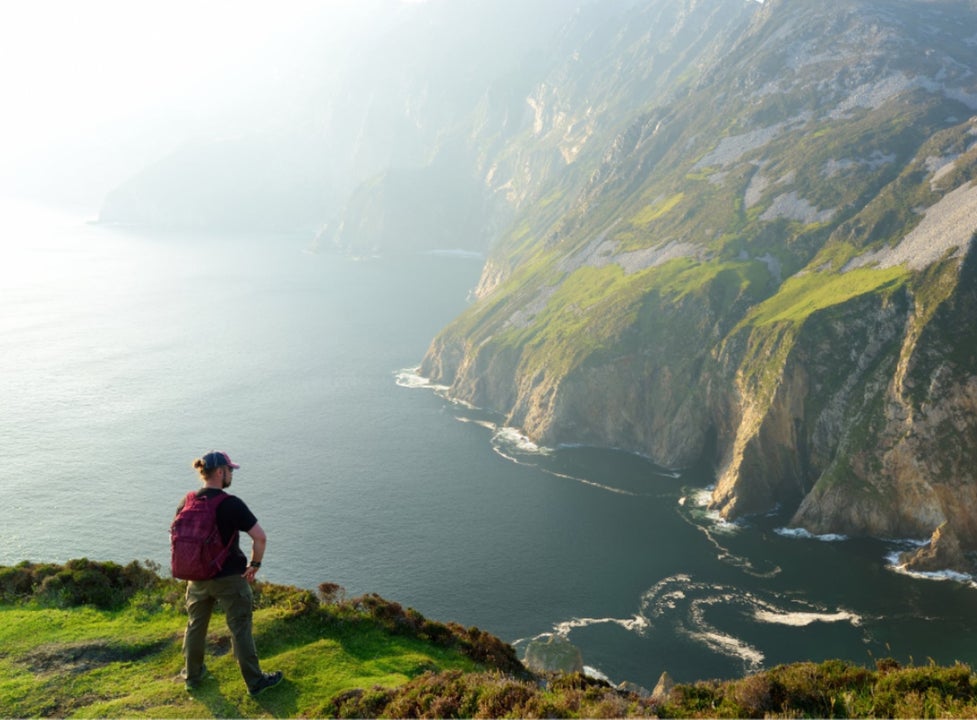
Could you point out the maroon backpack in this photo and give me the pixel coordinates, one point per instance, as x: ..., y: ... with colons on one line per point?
x: 196, y: 549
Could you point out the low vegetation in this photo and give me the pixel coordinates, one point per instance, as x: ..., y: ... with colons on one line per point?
x: 96, y: 639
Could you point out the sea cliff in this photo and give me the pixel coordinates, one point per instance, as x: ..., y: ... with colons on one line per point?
x: 775, y: 270
x: 715, y: 229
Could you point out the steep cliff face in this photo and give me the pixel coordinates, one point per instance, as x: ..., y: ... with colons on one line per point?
x: 915, y: 471
x: 724, y: 227
x: 771, y: 260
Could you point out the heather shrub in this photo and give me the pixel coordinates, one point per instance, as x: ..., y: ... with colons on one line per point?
x: 576, y: 681
x: 16, y: 583
x: 451, y: 694
x: 817, y: 689
x: 756, y: 696
x: 698, y: 699
x: 609, y: 705
x: 489, y: 650
x: 105, y: 585
x: 293, y: 601
x: 430, y: 695
x: 331, y: 593
x: 455, y: 694
x: 358, y: 703
x: 544, y: 705
x: 923, y: 691
x: 503, y: 698
x: 884, y: 665
x: 437, y: 633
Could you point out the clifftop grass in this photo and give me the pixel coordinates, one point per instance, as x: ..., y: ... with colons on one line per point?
x: 104, y: 640
x: 94, y: 639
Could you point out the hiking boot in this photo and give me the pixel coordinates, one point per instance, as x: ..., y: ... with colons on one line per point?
x: 192, y: 685
x: 267, y: 680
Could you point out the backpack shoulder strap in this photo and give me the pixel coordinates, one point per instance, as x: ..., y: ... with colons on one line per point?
x: 193, y: 497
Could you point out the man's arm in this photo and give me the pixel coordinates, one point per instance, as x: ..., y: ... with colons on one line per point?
x: 258, y: 542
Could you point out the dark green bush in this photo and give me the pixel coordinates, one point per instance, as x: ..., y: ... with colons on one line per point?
x: 295, y: 601
x: 16, y: 583
x: 105, y: 585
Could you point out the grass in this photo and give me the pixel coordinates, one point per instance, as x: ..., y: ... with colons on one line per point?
x: 85, y: 662
x: 368, y: 657
x: 125, y: 660
x: 803, y: 295
x: 657, y: 209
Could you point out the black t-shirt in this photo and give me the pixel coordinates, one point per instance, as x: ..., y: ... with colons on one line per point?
x: 233, y: 517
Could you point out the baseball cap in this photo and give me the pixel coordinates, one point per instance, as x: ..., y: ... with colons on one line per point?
x: 216, y: 459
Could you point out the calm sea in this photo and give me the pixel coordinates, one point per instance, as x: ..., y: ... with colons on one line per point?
x: 124, y: 355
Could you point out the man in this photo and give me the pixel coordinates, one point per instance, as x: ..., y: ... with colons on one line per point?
x: 232, y: 584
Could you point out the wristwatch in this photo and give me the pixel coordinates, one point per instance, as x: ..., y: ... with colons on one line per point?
x: 255, y: 565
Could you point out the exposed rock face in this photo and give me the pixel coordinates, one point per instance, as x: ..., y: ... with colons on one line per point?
x: 663, y: 689
x: 917, y: 475
x: 553, y: 655
x: 775, y: 266
x: 944, y: 551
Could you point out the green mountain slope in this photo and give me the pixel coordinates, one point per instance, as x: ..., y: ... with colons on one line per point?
x: 769, y: 259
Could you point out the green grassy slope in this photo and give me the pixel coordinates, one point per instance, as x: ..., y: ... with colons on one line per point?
x: 99, y: 640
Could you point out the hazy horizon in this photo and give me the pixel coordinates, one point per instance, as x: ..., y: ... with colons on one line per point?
x: 96, y: 91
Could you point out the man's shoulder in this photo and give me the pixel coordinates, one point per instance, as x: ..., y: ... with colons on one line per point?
x: 234, y: 511
x: 234, y: 505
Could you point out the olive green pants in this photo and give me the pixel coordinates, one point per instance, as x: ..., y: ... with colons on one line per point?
x: 237, y: 601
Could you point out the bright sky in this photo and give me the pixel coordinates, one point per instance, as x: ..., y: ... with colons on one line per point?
x: 80, y: 79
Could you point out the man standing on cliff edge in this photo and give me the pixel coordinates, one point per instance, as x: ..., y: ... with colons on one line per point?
x: 231, y: 586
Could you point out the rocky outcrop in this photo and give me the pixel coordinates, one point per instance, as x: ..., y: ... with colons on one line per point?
x: 943, y: 552
x: 663, y: 688
x: 553, y: 654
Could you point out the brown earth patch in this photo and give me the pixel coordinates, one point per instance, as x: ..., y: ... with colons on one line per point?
x: 81, y: 657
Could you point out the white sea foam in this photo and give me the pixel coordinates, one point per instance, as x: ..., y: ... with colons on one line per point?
x: 508, y: 442
x: 683, y: 605
x: 894, y: 563
x: 681, y: 602
x: 596, y: 674
x: 636, y: 624
x: 803, y: 619
x: 513, y: 438
x: 513, y: 445
x: 656, y: 470
x: 700, y: 499
x: 732, y: 647
x: 803, y: 534
x: 591, y: 483
x: 409, y: 378
x: 491, y: 426
x: 444, y: 392
x: 694, y: 510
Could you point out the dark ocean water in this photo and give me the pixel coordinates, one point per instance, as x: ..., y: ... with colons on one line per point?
x: 125, y: 355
